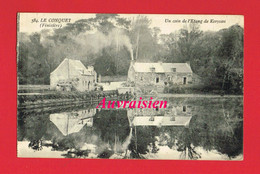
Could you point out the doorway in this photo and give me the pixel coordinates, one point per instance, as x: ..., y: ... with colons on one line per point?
x: 184, y: 80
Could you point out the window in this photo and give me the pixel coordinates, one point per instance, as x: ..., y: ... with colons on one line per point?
x: 173, y: 69
x: 157, y: 108
x: 172, y: 118
x: 88, y: 84
x: 152, y: 69
x: 151, y: 119
x: 184, y: 109
x: 157, y: 79
x: 141, y: 78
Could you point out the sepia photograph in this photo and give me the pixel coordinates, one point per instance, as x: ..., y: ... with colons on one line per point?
x: 130, y: 86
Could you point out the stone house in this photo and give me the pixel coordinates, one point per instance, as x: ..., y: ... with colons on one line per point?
x: 159, y: 74
x: 73, y: 75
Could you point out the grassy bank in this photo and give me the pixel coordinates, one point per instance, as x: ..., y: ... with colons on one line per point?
x: 198, y: 89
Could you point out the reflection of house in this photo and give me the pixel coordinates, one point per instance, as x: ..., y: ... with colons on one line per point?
x: 73, y: 122
x: 176, y: 116
x: 73, y: 74
x: 182, y: 110
x: 161, y: 121
x: 159, y: 74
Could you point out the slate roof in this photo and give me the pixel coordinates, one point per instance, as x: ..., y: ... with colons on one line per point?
x: 162, y: 67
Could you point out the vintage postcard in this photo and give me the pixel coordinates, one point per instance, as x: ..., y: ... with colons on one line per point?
x: 130, y: 86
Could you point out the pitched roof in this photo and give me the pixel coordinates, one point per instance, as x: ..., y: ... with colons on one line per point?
x: 68, y: 124
x: 161, y: 121
x: 75, y: 64
x: 162, y: 67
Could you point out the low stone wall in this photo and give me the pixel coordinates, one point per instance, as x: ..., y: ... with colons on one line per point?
x: 61, y: 99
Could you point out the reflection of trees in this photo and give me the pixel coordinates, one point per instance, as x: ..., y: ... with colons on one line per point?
x: 212, y: 133
x: 106, y: 153
x: 169, y: 135
x: 232, y: 145
x: 143, y: 142
x: 35, y: 144
x: 77, y: 154
x: 112, y: 125
x: 32, y: 128
x: 181, y: 138
x: 218, y: 125
x: 185, y: 146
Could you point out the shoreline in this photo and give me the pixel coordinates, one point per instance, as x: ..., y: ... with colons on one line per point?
x: 198, y: 95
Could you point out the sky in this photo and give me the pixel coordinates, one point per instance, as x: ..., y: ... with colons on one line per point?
x: 166, y: 22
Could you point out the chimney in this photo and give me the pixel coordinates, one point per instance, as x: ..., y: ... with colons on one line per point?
x: 90, y: 68
x: 152, y: 69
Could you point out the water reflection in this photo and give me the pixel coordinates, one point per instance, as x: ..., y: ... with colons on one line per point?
x: 189, y: 128
x: 72, y: 122
x: 171, y: 116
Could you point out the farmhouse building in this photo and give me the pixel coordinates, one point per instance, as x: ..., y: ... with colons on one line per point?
x: 73, y: 75
x: 159, y: 74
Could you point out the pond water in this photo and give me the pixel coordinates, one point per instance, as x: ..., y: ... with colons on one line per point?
x: 195, y: 128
